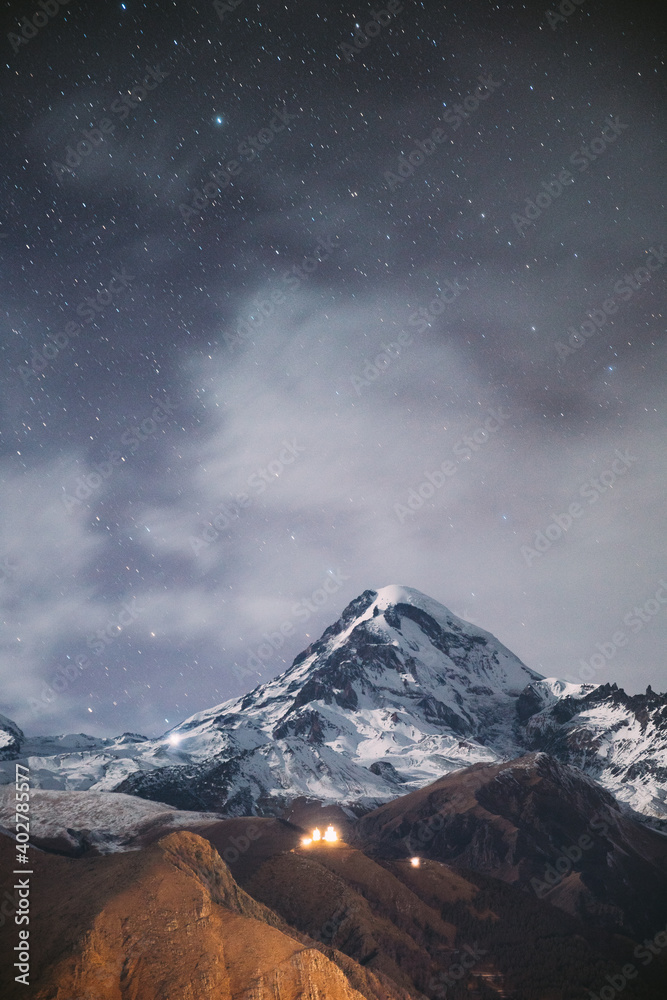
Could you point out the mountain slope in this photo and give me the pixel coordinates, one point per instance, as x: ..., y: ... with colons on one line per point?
x: 539, y: 825
x: 168, y: 923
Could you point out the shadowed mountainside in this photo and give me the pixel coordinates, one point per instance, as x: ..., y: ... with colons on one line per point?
x: 539, y: 825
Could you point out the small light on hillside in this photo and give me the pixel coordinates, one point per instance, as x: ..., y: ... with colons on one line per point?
x: 415, y: 862
x: 330, y: 836
x: 174, y: 739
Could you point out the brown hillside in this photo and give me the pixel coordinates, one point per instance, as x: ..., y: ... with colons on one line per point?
x: 166, y: 922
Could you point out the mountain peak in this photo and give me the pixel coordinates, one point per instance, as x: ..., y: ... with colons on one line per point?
x: 396, y: 692
x: 372, y: 602
x: 408, y: 620
x: 394, y: 594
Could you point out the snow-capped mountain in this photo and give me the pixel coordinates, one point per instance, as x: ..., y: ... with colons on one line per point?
x: 395, y: 694
x: 11, y: 738
x: 619, y: 739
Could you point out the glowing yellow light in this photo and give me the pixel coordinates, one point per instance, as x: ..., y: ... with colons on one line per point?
x: 306, y: 840
x: 316, y: 834
x: 330, y: 834
x: 415, y: 862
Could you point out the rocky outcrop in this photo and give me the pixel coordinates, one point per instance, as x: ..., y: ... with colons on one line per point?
x: 170, y: 923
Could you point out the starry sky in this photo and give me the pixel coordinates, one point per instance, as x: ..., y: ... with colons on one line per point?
x: 292, y: 309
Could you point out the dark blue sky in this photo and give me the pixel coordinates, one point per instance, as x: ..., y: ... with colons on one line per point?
x: 282, y: 321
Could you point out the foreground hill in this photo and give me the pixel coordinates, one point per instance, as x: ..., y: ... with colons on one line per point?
x: 168, y: 923
x: 282, y: 921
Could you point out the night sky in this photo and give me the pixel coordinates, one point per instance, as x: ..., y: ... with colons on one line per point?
x: 296, y: 320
